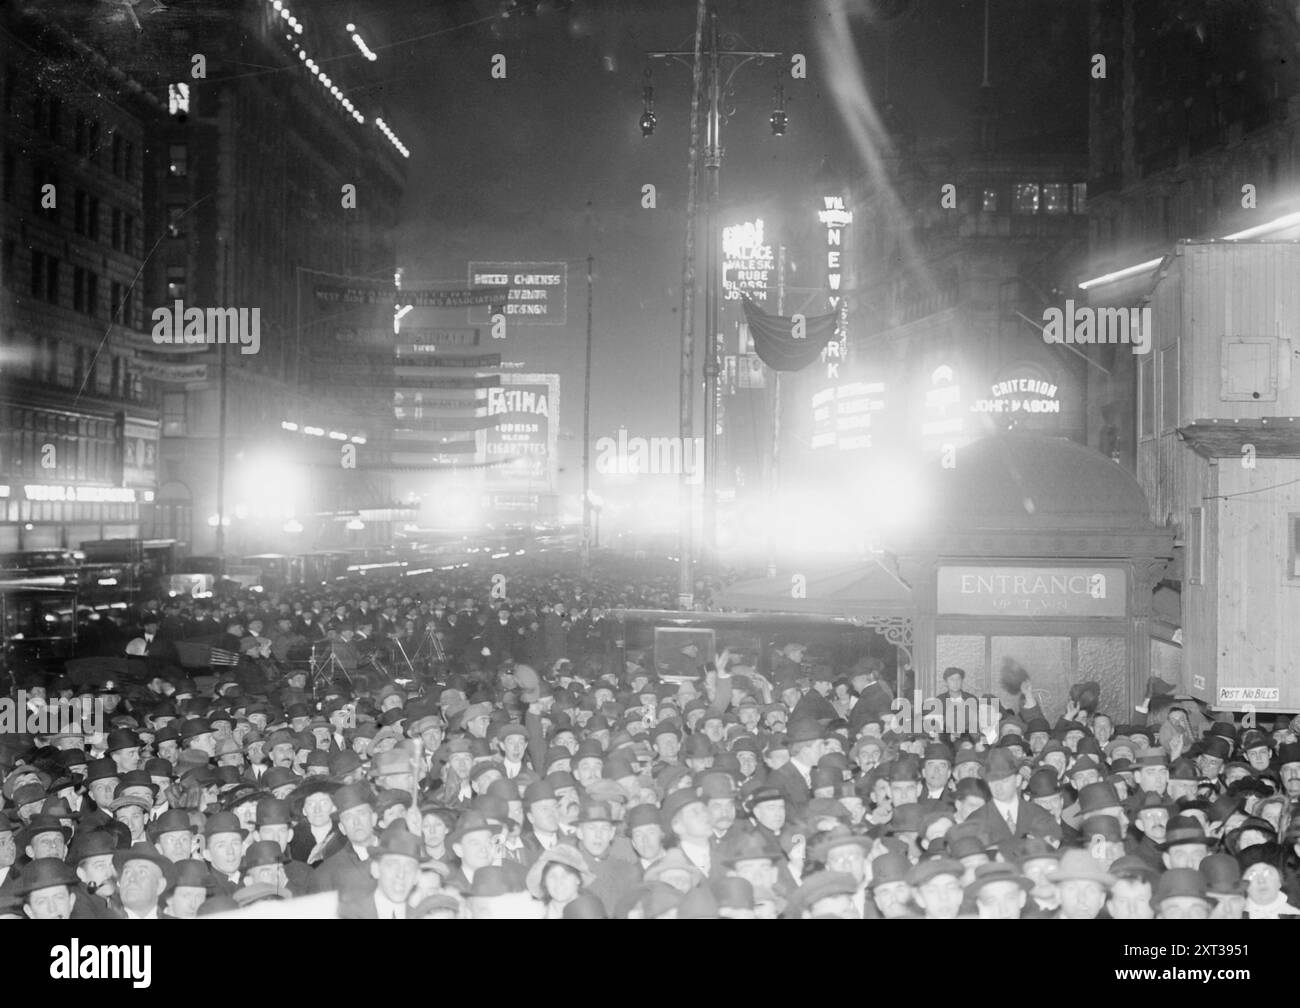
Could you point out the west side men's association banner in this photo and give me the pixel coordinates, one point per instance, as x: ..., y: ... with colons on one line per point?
x: 521, y: 447
x: 534, y: 293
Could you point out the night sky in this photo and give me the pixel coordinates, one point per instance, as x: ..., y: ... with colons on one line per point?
x: 549, y: 163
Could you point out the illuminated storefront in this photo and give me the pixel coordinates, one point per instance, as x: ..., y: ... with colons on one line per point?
x: 1037, y: 550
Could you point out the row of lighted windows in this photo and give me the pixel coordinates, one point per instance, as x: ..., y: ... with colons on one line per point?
x: 1053, y: 198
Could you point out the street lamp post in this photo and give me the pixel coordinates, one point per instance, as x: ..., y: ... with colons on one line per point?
x: 720, y: 66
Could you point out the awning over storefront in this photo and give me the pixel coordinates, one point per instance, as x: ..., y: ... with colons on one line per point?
x: 861, y: 590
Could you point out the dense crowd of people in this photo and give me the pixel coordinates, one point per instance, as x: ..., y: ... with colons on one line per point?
x: 375, y: 752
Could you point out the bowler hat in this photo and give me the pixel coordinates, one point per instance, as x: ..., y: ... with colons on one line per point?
x: 141, y: 852
x: 223, y: 822
x: 171, y: 821
x: 1097, y: 796
x: 498, y: 880
x: 1178, y: 883
x: 191, y: 874
x: 674, y: 803
x: 1222, y: 874
x: 926, y: 870
x: 804, y: 730
x: 92, y: 843
x: 44, y: 873
x: 1102, y: 826
x: 42, y: 824
x: 1001, y: 764
x: 750, y: 846
x: 263, y: 852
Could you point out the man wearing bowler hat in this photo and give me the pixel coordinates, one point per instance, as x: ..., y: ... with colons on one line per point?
x: 45, y: 888
x: 348, y: 868
x: 223, y: 849
x: 142, y: 875
x: 614, y: 876
x: 1007, y: 815
x: 794, y: 778
x: 395, y: 867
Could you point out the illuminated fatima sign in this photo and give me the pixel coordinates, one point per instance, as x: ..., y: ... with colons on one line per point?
x: 835, y: 218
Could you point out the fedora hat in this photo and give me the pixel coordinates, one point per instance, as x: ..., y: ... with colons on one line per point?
x: 1184, y: 830
x: 996, y: 871
x: 839, y: 836
x: 1079, y: 865
x: 473, y: 822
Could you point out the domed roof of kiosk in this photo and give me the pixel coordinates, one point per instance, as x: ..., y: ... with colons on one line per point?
x: 1028, y: 481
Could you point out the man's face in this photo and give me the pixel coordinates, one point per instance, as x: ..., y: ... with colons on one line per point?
x: 1153, y: 822
x: 850, y: 859
x: 358, y: 824
x: 1188, y: 855
x: 1210, y: 766
x: 1291, y: 780
x: 936, y: 773
x: 98, y: 874
x: 722, y: 813
x: 595, y: 837
x: 1103, y: 729
x: 1083, y: 778
x: 224, y: 851
x: 1081, y: 899
x: 1005, y: 789
x: 1001, y: 900
x: 396, y: 876
x: 514, y: 747
x: 771, y: 815
x: 176, y: 845
x: 1130, y: 899
x: 892, y: 899
x: 185, y: 901
x: 648, y: 841
x: 1263, y: 883
x: 1257, y: 757
x: 102, y: 791
x: 940, y: 897
x: 904, y: 792
x: 51, y: 844
x: 140, y: 885
x: 50, y: 903
x: 954, y: 683
x: 277, y: 833
x: 1153, y: 778
x: 692, y: 822
x: 1184, y: 908
x: 475, y: 850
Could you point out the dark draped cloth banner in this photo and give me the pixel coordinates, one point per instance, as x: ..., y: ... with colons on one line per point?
x: 774, y: 340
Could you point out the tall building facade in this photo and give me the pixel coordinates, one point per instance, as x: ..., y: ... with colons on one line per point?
x: 79, y: 414
x: 263, y: 185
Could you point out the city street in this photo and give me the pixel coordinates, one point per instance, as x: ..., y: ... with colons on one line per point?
x: 562, y: 459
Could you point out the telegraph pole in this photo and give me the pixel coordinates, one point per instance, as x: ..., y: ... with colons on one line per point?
x: 718, y: 64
